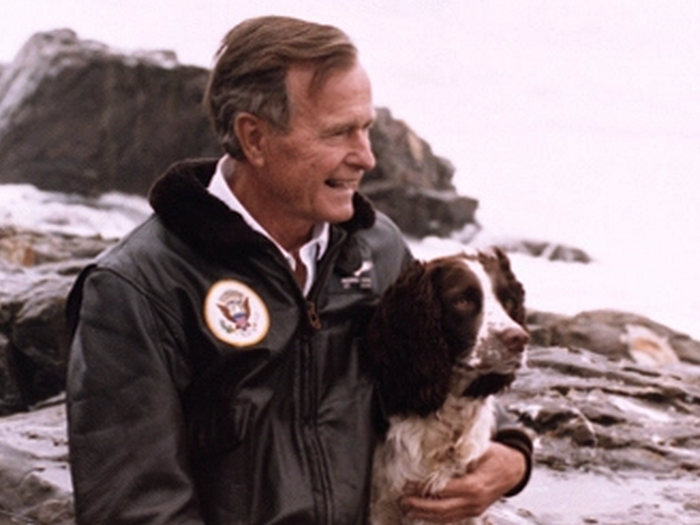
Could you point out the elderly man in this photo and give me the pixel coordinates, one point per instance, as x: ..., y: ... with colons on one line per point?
x: 217, y: 372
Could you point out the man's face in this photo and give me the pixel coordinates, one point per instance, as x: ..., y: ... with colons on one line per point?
x: 310, y: 173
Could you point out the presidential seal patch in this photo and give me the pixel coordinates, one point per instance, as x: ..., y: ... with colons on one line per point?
x: 235, y: 314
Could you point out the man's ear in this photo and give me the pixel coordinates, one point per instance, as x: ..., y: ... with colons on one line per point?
x: 251, y: 131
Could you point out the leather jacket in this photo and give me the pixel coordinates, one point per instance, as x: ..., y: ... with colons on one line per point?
x: 204, y: 387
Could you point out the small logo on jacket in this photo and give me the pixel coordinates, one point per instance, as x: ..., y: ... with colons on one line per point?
x: 360, y: 279
x: 235, y: 314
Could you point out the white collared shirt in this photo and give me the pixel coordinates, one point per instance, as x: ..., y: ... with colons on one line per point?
x: 309, y: 253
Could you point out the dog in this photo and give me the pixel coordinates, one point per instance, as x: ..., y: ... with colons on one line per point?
x: 445, y: 337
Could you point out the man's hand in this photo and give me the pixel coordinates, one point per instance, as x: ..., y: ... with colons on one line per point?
x: 490, y: 477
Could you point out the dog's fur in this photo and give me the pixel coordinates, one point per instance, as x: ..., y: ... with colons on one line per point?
x: 446, y: 336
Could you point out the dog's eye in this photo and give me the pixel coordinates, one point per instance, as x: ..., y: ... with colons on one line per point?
x: 467, y: 302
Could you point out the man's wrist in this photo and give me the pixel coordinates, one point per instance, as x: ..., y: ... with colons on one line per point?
x: 520, y: 442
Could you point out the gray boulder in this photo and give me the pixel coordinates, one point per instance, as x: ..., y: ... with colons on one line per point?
x: 618, y: 335
x: 35, y: 486
x: 411, y: 184
x: 37, y: 271
x: 551, y: 251
x: 77, y: 116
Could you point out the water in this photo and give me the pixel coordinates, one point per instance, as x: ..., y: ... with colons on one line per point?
x: 570, y: 121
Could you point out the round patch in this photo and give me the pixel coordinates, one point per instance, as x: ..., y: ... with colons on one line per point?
x: 235, y: 314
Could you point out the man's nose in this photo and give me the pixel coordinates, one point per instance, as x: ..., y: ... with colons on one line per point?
x: 362, y: 155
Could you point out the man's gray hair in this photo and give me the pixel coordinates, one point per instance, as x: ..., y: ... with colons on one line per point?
x: 251, y: 68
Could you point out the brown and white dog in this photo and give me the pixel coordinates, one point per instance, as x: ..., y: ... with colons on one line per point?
x: 446, y: 336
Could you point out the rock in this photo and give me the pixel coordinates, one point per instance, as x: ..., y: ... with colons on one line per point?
x: 591, y: 412
x: 77, y: 116
x: 547, y: 250
x: 605, y: 498
x: 33, y: 338
x: 617, y: 441
x: 411, y: 184
x: 615, y: 334
x: 26, y: 248
x: 552, y: 251
x: 35, y: 484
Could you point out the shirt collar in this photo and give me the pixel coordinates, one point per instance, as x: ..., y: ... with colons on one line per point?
x: 314, y: 249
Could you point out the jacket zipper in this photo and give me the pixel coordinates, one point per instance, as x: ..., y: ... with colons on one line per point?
x: 321, y: 277
x: 312, y: 314
x: 310, y: 408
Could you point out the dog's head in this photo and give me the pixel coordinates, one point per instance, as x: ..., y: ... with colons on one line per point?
x: 450, y: 325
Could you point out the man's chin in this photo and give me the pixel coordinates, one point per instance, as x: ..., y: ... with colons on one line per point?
x: 340, y: 213
x: 340, y: 219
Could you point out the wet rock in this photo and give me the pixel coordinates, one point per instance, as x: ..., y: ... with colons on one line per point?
x: 616, y: 442
x: 34, y: 341
x: 551, y: 251
x: 26, y: 248
x: 547, y: 250
x: 615, y: 334
x: 411, y: 184
x: 604, y: 498
x: 33, y: 337
x: 35, y: 485
x: 589, y: 411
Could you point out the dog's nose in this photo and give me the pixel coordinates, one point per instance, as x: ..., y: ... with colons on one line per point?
x: 515, y: 338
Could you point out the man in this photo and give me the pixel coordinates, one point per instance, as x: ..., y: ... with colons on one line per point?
x: 217, y: 372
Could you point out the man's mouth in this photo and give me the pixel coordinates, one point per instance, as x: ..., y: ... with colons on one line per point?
x: 342, y: 184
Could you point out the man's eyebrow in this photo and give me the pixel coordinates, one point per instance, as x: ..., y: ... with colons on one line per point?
x: 343, y: 127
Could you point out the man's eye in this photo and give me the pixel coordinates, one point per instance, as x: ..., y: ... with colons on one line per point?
x: 338, y: 132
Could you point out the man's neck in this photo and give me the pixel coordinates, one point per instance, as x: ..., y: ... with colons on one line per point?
x: 289, y: 234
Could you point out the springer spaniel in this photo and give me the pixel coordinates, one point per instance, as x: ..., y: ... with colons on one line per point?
x: 446, y: 336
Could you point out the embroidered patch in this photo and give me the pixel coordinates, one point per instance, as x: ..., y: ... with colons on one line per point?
x: 235, y: 314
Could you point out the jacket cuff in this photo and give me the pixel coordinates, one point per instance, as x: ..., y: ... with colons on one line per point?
x: 520, y: 441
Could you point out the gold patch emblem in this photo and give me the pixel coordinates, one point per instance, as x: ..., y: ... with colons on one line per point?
x: 235, y: 314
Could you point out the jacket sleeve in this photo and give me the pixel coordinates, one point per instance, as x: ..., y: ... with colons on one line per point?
x: 129, y: 459
x: 512, y: 435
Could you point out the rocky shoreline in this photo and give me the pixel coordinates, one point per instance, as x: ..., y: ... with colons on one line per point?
x: 612, y: 399
x: 616, y: 442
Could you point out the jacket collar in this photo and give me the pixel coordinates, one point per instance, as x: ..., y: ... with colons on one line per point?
x: 181, y: 200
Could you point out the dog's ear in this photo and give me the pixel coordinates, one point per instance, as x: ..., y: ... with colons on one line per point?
x: 410, y: 354
x: 510, y: 291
